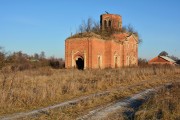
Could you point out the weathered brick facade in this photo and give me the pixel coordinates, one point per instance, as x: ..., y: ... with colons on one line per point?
x: 95, y: 52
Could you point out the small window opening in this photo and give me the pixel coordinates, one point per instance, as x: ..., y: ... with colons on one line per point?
x: 116, y: 60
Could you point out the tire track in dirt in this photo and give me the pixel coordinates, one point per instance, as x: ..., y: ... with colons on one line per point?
x: 133, y: 102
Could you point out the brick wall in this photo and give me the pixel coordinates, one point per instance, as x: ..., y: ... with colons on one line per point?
x: 99, y: 53
x: 113, y: 19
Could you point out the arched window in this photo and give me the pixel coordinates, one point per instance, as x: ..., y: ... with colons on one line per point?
x: 109, y: 23
x: 116, y: 62
x: 99, y: 62
x: 127, y: 60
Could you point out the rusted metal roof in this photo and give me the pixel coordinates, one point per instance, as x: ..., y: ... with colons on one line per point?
x: 168, y: 59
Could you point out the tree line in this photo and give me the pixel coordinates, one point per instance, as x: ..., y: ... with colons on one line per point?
x: 22, y: 61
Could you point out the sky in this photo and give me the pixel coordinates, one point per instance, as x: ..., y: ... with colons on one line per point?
x: 32, y: 26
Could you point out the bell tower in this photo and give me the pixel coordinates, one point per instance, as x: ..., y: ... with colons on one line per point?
x: 108, y: 21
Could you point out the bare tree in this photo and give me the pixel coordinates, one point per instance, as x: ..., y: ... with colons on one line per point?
x: 42, y: 55
x: 163, y: 53
x: 81, y: 28
x: 86, y: 26
x: 142, y: 62
x: 139, y: 38
x: 89, y: 25
x: 130, y: 29
x: 36, y: 56
x: 174, y: 58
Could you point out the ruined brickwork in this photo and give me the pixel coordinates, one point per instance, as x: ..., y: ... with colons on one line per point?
x: 110, y: 20
x: 95, y: 52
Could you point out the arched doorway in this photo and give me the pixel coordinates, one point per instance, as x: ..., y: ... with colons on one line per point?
x: 80, y: 63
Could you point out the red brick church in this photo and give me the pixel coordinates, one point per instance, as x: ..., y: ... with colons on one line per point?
x: 95, y: 52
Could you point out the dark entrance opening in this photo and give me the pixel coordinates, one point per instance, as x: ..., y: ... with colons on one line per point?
x: 80, y: 64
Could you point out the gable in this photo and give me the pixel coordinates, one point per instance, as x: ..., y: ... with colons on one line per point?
x: 132, y: 39
x: 120, y: 36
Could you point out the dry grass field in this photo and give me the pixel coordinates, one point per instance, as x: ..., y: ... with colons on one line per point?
x: 36, y: 88
x: 165, y: 105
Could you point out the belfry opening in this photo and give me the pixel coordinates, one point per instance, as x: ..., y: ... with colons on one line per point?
x: 80, y: 63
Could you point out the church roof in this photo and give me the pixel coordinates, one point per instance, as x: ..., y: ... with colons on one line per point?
x: 121, y: 36
x: 118, y: 37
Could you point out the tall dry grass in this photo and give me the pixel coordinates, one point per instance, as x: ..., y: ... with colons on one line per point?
x: 163, y: 106
x: 30, y: 89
